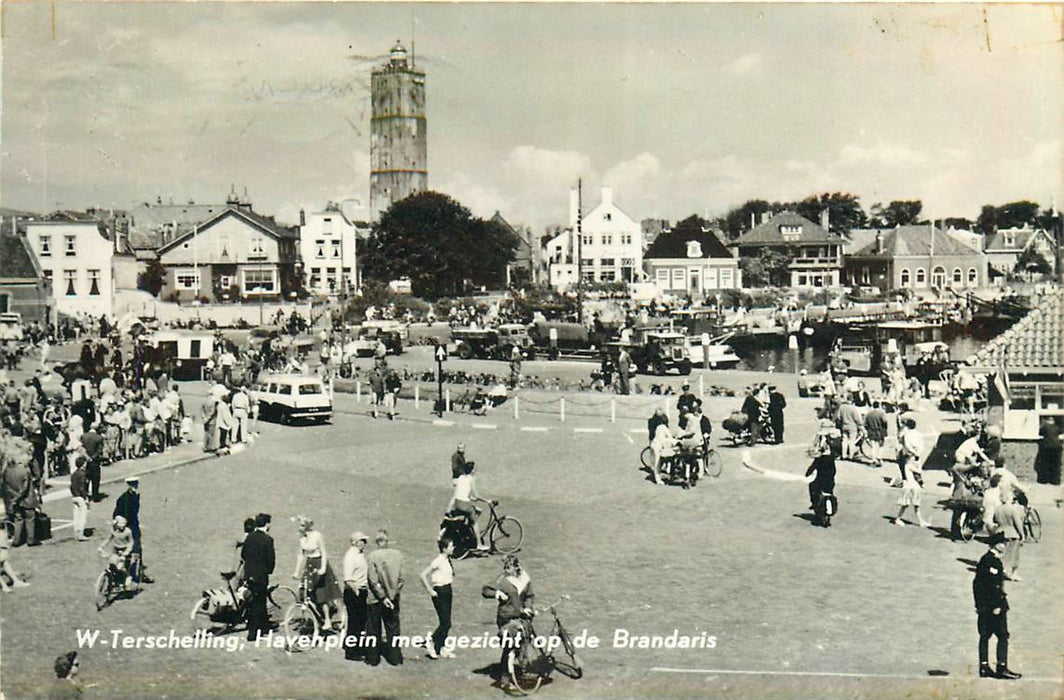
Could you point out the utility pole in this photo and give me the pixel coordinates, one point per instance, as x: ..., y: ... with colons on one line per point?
x: 579, y: 250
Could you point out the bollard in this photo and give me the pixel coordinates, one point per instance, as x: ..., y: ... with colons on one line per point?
x: 792, y: 344
x: 417, y: 396
x: 358, y: 391
x: 332, y: 389
x: 561, y: 408
x: 705, y: 350
x: 517, y: 402
x: 613, y: 410
x: 701, y: 386
x: 447, y: 399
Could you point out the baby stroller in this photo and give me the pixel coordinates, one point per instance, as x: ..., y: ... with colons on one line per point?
x: 737, y: 425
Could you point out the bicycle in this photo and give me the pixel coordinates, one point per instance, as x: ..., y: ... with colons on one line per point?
x: 306, y: 617
x: 1032, y: 524
x: 220, y: 611
x: 712, y: 462
x: 534, y: 658
x: 112, y: 583
x: 503, y: 533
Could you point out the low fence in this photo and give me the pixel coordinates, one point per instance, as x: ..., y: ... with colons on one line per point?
x: 224, y: 315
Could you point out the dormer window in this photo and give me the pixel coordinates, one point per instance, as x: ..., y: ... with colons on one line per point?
x: 1010, y: 239
x: 791, y: 232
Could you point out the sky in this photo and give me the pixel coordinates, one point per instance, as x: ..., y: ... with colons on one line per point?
x: 680, y: 108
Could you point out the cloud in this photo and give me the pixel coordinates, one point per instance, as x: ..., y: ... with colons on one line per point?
x: 747, y: 64
x: 881, y: 154
x: 546, y: 166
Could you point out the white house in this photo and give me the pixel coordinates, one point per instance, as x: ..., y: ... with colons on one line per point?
x: 77, y: 258
x: 328, y: 243
x: 610, y: 247
x: 691, y: 260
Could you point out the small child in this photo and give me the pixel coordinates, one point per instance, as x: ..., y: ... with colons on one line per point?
x: 121, y: 546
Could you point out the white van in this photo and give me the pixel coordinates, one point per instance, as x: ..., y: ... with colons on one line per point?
x: 290, y: 397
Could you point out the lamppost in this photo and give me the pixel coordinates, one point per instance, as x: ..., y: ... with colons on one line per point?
x: 259, y: 291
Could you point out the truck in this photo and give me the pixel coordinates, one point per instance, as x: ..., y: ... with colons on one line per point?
x: 492, y: 343
x: 655, y: 350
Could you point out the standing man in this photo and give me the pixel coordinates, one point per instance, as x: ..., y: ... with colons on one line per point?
x: 992, y: 607
x: 624, y: 368
x: 776, y: 404
x: 376, y: 383
x: 227, y: 360
x: 385, y: 582
x: 752, y: 408
x: 355, y: 593
x: 875, y: 424
x: 258, y: 557
x: 515, y: 366
x: 849, y: 422
x: 79, y: 497
x: 92, y: 441
x: 458, y: 463
x: 128, y: 506
x: 241, y: 407
x: 686, y: 402
x: 20, y: 498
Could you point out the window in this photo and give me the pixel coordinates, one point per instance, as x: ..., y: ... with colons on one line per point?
x: 260, y: 281
x: 187, y: 279
x: 866, y: 276
x: 726, y: 278
x: 223, y: 246
x: 94, y: 283
x: 973, y: 277
x: 257, y: 248
x: 319, y: 249
x: 626, y: 239
x: 272, y: 388
x: 70, y: 277
x: 958, y: 276
x: 45, y: 246
x: 607, y: 239
x: 336, y: 249
x: 662, y: 277
x: 921, y: 276
x: 608, y: 216
x: 194, y: 347
x: 608, y: 262
x: 71, y: 243
x: 309, y: 389
x: 679, y: 278
x: 905, y: 277
x: 225, y: 281
x: 791, y: 233
x: 587, y: 263
x: 284, y: 389
x: 587, y: 239
x: 608, y: 275
x: 326, y: 225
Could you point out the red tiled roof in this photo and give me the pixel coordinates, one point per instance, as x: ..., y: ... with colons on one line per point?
x: 1035, y: 344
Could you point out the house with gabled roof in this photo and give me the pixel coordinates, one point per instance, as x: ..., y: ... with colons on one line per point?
x: 1003, y: 248
x: 921, y: 257
x: 690, y: 260
x: 815, y: 254
x: 235, y: 254
x: 23, y: 287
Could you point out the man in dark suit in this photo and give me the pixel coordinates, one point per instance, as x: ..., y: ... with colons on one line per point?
x: 752, y: 408
x: 992, y: 607
x: 128, y: 506
x: 776, y: 404
x: 258, y: 557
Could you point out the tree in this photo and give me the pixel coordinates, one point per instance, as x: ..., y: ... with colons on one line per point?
x: 152, y: 278
x: 1030, y: 260
x: 844, y: 210
x: 987, y: 223
x: 770, y: 267
x: 1017, y: 214
x: 903, y: 212
x: 438, y: 244
x: 738, y: 220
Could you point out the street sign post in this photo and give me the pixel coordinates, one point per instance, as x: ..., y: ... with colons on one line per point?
x: 441, y: 355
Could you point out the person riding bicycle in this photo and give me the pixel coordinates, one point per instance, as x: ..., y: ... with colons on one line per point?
x: 821, y: 474
x: 689, y: 440
x: 120, y: 543
x: 664, y: 447
x: 513, y: 591
x: 465, y: 494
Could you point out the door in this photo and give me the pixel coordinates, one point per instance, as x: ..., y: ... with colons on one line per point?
x: 694, y: 277
x: 938, y: 277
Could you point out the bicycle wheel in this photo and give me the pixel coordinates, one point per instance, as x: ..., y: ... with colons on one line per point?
x: 712, y: 464
x: 964, y: 525
x: 1032, y: 525
x: 201, y: 618
x: 570, y: 666
x: 865, y: 448
x: 299, y: 621
x: 647, y: 457
x: 507, y: 534
x: 279, y: 599
x: 524, y: 665
x: 103, y: 590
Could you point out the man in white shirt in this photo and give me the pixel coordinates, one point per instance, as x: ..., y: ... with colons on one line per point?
x: 241, y: 405
x: 355, y: 591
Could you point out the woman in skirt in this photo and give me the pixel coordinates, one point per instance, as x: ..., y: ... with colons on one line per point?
x: 314, y: 564
x: 912, y: 489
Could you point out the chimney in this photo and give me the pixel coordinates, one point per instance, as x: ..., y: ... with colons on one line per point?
x: 574, y: 204
x: 753, y: 220
x: 825, y: 220
x: 302, y: 217
x: 879, y: 242
x: 607, y: 196
x: 764, y: 217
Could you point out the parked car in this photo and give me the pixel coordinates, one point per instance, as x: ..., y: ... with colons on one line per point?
x: 290, y: 397
x: 492, y: 343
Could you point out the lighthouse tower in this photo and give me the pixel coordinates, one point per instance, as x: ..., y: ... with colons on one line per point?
x: 398, y: 148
